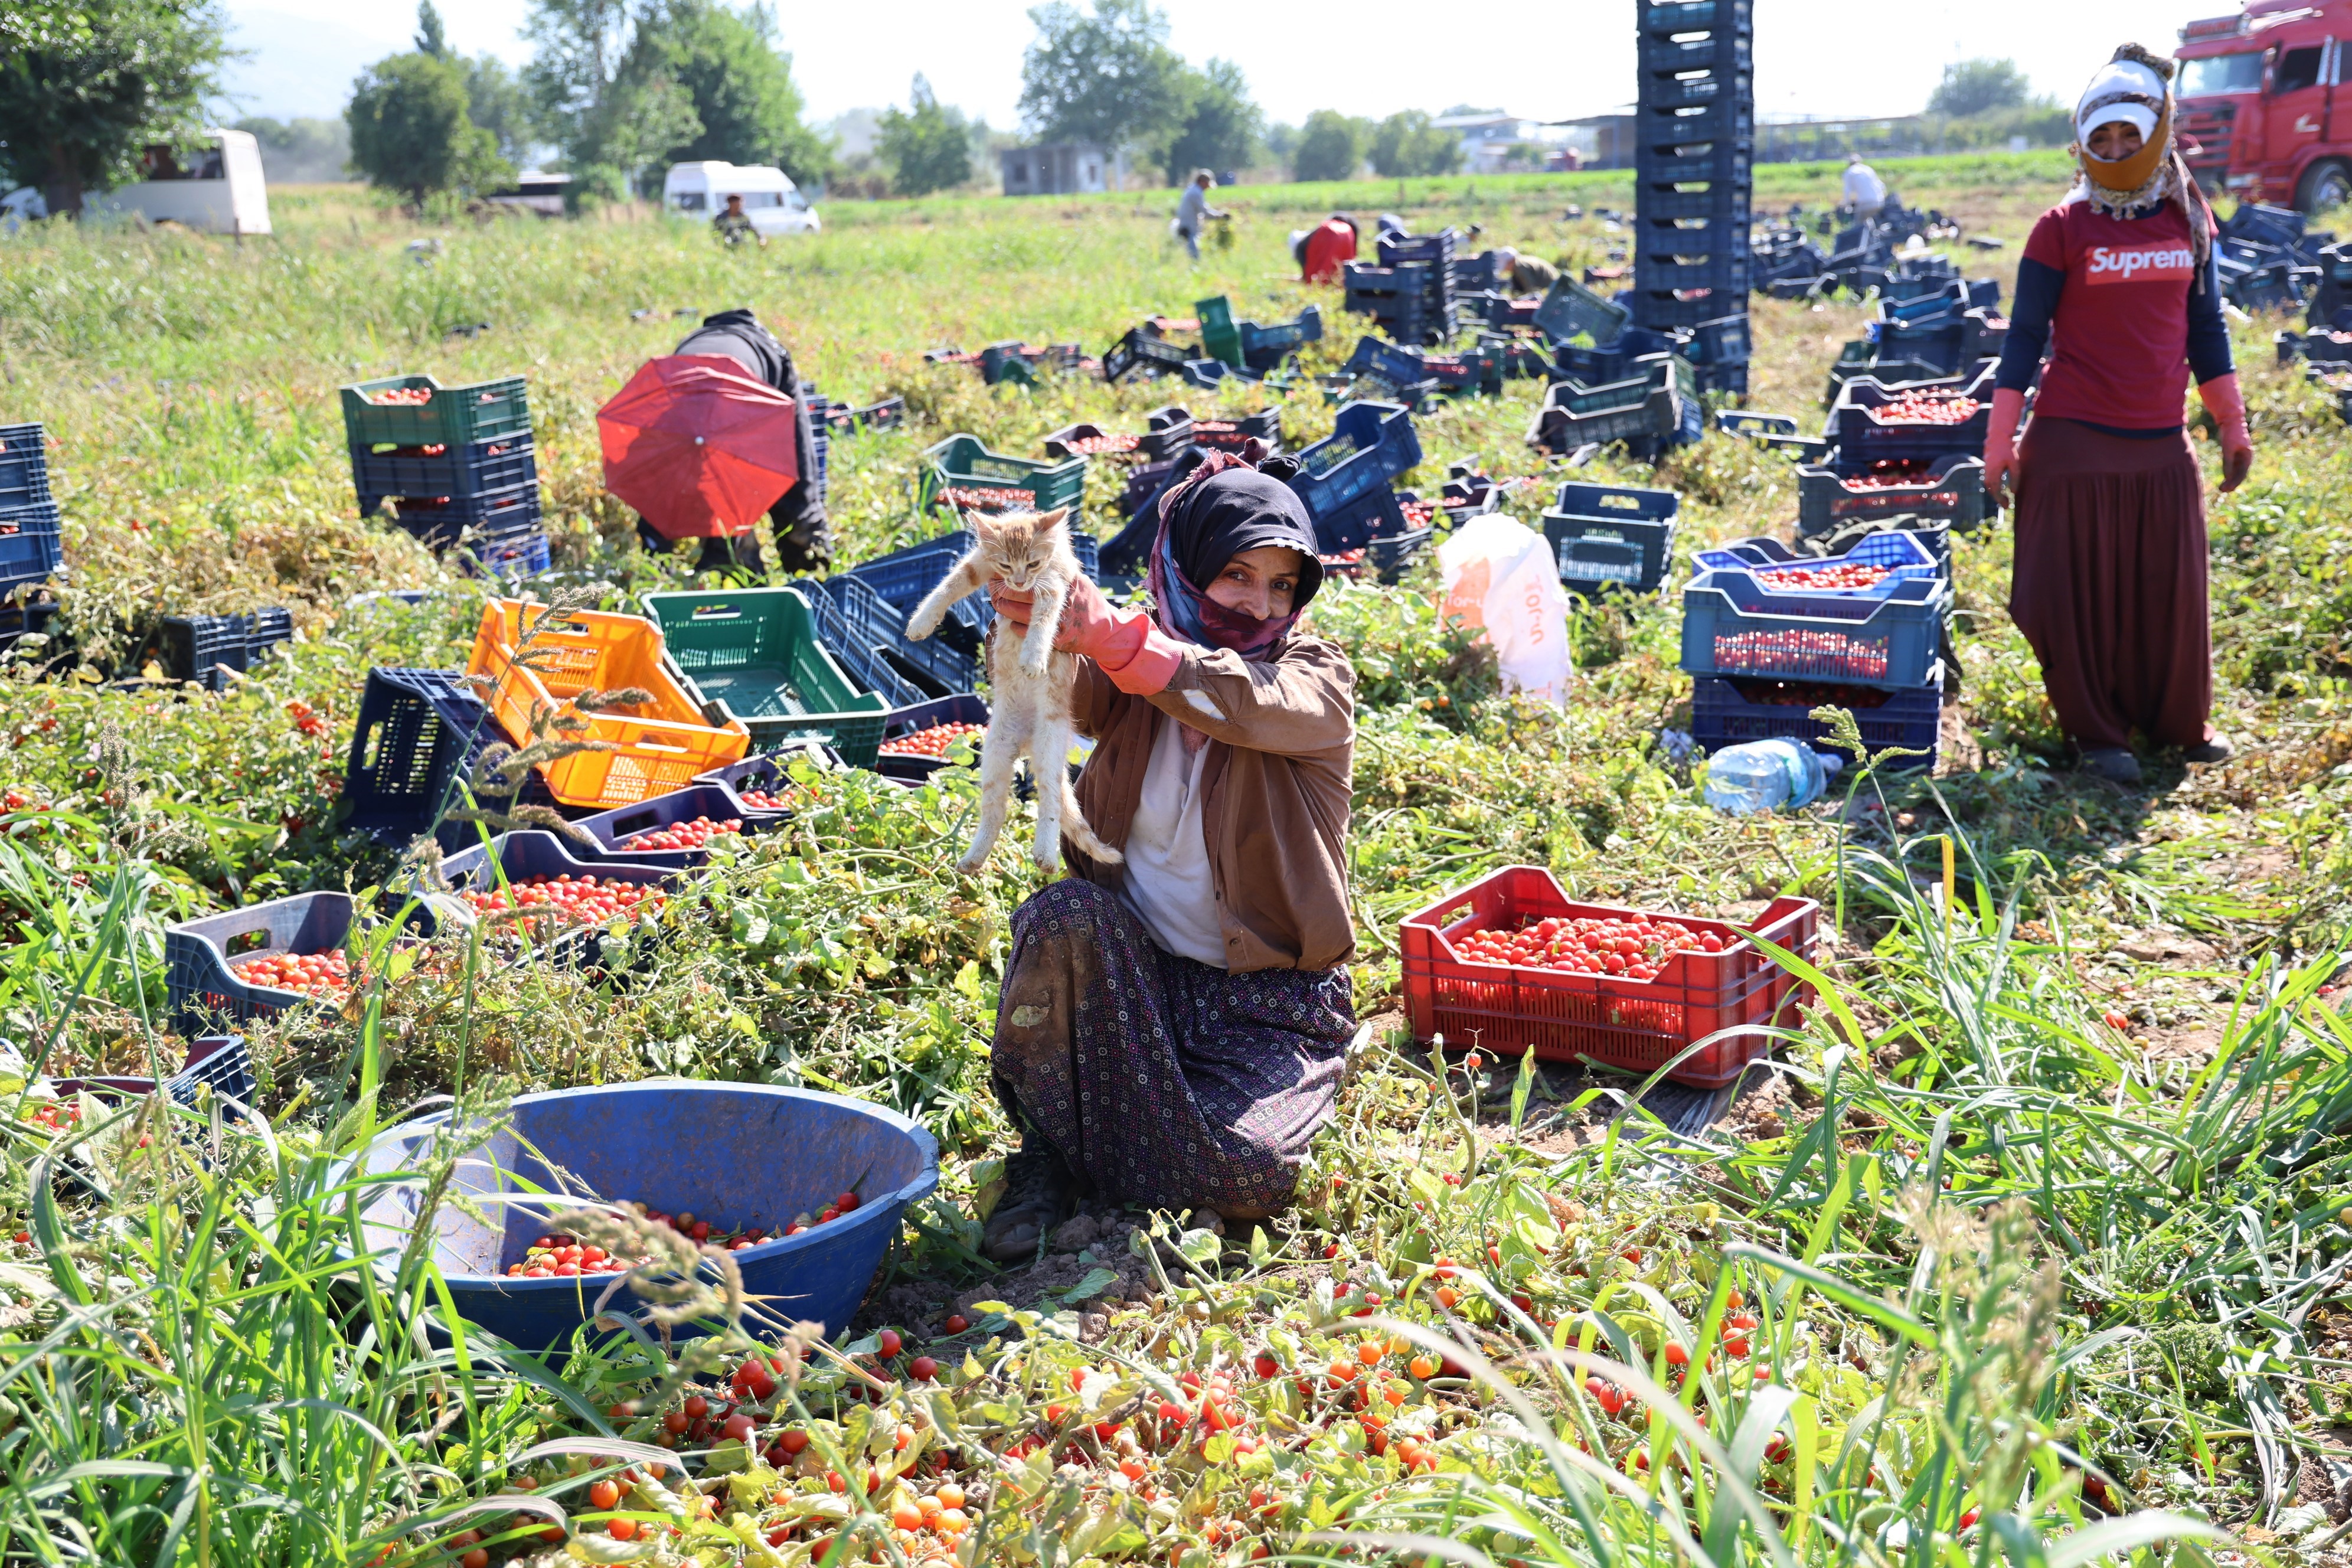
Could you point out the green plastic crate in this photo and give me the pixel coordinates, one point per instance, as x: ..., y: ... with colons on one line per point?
x: 1218, y: 335
x: 753, y: 653
x: 455, y: 416
x: 962, y: 472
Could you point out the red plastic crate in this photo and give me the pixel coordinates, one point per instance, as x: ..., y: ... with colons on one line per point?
x: 1636, y: 1025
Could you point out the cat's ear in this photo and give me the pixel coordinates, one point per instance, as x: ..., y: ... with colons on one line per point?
x: 1049, y: 520
x: 981, y: 525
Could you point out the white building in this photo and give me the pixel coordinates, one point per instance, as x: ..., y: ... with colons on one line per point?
x: 1061, y: 169
x: 1492, y: 143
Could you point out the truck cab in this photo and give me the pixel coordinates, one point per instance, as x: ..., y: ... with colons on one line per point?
x: 2263, y: 114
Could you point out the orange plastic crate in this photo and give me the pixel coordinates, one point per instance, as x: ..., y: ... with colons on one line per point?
x: 1636, y: 1025
x: 659, y: 746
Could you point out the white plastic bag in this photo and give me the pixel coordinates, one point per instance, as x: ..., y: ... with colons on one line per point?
x: 1500, y: 578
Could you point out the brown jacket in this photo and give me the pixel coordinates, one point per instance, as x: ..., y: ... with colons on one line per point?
x: 1278, y: 776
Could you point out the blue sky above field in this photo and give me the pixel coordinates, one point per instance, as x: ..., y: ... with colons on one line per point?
x: 1550, y: 60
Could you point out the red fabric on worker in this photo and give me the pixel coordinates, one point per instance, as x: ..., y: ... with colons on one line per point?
x: 697, y: 447
x: 1327, y: 248
x: 2109, y: 583
x: 2116, y: 348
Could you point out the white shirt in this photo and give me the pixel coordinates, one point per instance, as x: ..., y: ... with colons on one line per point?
x: 1863, y: 188
x: 1169, y: 883
x: 1191, y: 208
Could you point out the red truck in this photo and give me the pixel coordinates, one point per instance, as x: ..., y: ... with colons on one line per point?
x: 2261, y: 115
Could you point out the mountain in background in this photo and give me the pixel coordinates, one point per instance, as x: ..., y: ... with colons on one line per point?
x: 297, y: 67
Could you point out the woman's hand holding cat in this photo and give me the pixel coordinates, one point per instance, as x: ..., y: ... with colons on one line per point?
x: 1087, y: 620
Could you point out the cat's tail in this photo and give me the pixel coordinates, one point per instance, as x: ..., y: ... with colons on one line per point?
x: 1079, y: 831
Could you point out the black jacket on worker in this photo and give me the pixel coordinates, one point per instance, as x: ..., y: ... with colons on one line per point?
x: 803, y: 540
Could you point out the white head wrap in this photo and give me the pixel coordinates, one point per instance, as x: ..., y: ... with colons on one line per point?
x: 2123, y: 90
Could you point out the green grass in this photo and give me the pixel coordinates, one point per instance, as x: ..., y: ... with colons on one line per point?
x: 2054, y: 1186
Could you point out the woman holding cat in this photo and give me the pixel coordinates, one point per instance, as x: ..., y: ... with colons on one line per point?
x: 1172, y: 1027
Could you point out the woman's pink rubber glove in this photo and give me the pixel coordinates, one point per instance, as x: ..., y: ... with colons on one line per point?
x: 2000, y: 466
x: 1137, y: 656
x: 2227, y: 403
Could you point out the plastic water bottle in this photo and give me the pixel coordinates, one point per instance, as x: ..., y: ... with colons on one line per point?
x: 1765, y: 775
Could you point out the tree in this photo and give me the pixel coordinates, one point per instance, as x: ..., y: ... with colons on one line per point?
x: 741, y: 86
x: 411, y: 133
x: 82, y: 94
x: 1407, y: 143
x: 576, y: 49
x: 430, y: 38
x: 1980, y: 87
x: 1110, y: 78
x: 496, y: 100
x: 928, y: 148
x: 1222, y: 128
x: 1281, y: 142
x: 1331, y: 147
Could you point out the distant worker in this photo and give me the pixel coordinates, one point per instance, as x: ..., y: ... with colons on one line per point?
x: 1193, y: 212
x: 803, y: 537
x: 2119, y: 281
x: 735, y: 223
x: 1865, y: 190
x: 1322, y: 250
x: 1525, y: 274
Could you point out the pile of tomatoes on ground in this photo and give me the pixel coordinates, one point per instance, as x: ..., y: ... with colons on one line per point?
x: 402, y: 396
x: 1921, y: 405
x: 1840, y: 577
x: 1633, y: 947
x: 933, y: 741
x: 1804, y: 650
x: 578, y: 900
x: 685, y: 835
x: 327, y: 977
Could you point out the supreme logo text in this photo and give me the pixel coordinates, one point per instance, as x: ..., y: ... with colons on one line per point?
x: 2118, y: 264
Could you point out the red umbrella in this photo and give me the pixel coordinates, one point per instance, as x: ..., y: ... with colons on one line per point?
x: 699, y: 447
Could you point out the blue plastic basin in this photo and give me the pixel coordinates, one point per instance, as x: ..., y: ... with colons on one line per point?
x: 740, y: 1154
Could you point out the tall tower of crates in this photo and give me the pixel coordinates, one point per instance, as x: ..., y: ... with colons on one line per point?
x: 1693, y: 157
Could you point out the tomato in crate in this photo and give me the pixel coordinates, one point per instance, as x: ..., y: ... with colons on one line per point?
x: 1511, y: 965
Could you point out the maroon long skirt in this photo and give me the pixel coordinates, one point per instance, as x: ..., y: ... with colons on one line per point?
x: 2109, y: 584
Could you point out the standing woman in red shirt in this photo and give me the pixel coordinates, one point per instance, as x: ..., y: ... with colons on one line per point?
x: 2118, y: 282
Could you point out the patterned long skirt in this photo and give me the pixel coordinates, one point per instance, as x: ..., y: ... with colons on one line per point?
x: 1162, y: 1080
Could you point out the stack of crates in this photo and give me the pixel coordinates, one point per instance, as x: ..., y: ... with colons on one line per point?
x: 1396, y: 300
x: 1694, y: 153
x: 29, y: 545
x: 458, y: 462
x: 1768, y: 643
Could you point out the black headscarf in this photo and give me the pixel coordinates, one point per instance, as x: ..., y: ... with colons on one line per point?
x: 1224, y: 508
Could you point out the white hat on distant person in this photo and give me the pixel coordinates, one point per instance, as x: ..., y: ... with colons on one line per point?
x: 2123, y: 90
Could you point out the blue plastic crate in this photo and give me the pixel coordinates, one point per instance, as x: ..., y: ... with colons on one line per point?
x: 23, y: 468
x: 202, y: 648
x: 437, y: 522
x: 200, y: 956
x: 1370, y: 444
x: 419, y: 734
x: 1862, y: 436
x: 1570, y: 309
x: 861, y: 662
x: 1376, y: 513
x: 468, y: 470
x: 931, y: 663
x: 1951, y: 491
x: 518, y: 857
x: 613, y: 830
x: 1267, y: 346
x: 910, y: 768
x: 1732, y: 626
x: 1725, y: 713
x: 1601, y: 534
x: 31, y: 548
x: 512, y: 556
x: 904, y: 577
x: 1664, y: 18
x: 1903, y: 555
x: 1375, y: 356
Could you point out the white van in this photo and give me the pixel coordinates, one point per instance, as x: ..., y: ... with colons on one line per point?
x: 770, y: 200
x: 218, y: 188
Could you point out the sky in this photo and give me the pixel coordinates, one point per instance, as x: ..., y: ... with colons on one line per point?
x: 1549, y: 60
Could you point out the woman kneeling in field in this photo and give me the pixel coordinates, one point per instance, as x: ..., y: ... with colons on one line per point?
x: 1170, y: 1030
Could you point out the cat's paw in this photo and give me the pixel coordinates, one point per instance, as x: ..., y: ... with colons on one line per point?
x: 1046, y: 860
x: 973, y: 861
x: 1036, y: 664
x: 919, y: 630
